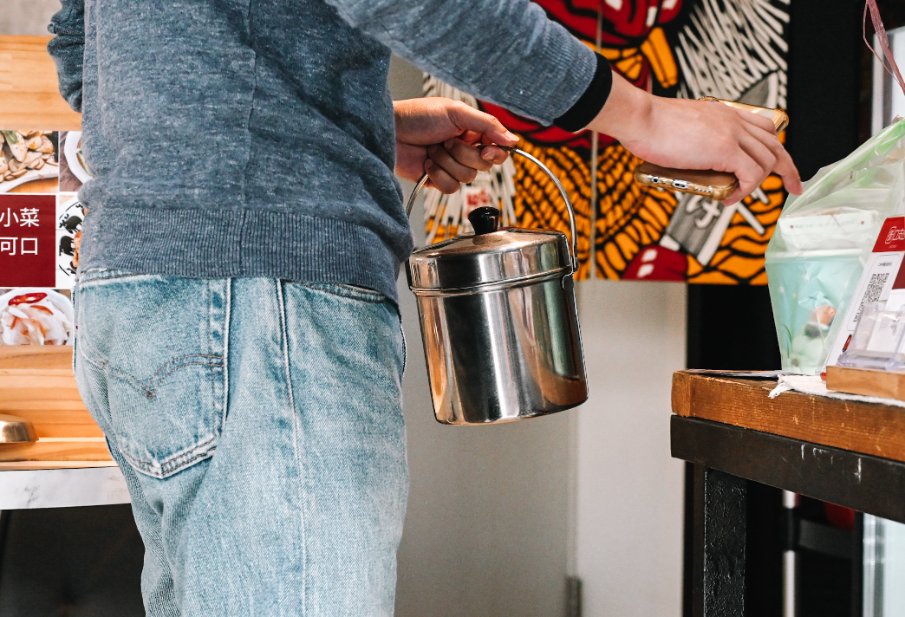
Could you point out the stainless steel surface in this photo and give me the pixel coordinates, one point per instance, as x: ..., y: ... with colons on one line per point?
x: 573, y: 234
x: 499, y: 322
x: 507, y: 255
x: 503, y: 355
x: 16, y: 430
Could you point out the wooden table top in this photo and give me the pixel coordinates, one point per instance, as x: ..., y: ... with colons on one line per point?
x: 865, y: 428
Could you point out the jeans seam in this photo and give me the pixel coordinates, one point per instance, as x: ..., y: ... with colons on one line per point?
x: 228, y: 300
x: 177, y: 461
x: 148, y: 388
x: 349, y: 292
x: 175, y: 364
x: 105, y: 276
x: 296, y: 430
x: 104, y: 366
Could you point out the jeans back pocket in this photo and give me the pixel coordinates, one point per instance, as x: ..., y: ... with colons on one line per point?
x: 151, y: 365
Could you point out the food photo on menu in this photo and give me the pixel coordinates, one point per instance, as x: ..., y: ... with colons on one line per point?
x: 70, y: 214
x: 36, y: 316
x: 74, y: 171
x: 29, y: 161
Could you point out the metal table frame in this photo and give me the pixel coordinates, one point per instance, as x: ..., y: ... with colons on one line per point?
x: 725, y: 456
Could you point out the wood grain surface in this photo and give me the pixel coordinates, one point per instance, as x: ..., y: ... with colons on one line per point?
x: 886, y: 384
x: 29, y: 95
x: 37, y: 385
x: 57, y: 449
x: 37, y: 465
x: 877, y: 430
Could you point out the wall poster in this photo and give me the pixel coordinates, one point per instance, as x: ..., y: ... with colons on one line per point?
x: 40, y: 224
x: 731, y: 49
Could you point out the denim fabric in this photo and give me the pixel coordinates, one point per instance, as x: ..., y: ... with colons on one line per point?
x: 236, y: 138
x: 258, y: 425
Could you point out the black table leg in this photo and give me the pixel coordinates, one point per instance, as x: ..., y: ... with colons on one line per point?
x: 720, y: 521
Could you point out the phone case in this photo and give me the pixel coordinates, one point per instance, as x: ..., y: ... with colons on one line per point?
x: 779, y: 117
x: 713, y: 184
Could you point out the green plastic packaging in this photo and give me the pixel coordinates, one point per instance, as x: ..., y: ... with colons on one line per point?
x: 822, y: 241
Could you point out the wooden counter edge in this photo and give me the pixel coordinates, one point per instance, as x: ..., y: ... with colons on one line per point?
x: 685, y: 384
x: 866, y: 428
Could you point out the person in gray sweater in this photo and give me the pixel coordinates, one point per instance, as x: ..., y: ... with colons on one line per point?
x: 238, y: 336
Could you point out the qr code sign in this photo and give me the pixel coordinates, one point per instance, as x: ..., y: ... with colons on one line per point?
x: 874, y: 291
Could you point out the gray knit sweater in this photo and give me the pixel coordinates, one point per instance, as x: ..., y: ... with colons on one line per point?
x: 255, y: 137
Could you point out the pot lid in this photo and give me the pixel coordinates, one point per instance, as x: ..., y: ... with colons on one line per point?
x: 490, y: 256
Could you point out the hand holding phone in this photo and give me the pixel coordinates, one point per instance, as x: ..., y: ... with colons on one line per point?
x: 713, y: 184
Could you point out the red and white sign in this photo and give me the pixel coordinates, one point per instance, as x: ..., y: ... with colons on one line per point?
x: 882, y: 281
x: 28, y: 240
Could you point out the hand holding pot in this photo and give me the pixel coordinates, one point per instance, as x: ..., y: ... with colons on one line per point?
x: 499, y: 321
x: 443, y: 138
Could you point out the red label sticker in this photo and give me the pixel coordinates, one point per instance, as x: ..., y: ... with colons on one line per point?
x: 27, y: 240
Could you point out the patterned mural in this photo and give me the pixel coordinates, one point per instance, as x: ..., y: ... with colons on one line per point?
x: 731, y: 49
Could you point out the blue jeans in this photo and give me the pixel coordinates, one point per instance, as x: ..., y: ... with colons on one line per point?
x: 259, y: 427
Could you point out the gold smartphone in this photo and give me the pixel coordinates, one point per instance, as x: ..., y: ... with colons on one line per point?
x: 713, y: 184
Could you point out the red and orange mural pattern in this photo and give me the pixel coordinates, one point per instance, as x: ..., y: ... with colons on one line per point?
x: 734, y: 49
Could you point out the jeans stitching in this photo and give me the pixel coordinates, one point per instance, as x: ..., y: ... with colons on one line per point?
x: 173, y: 365
x: 349, y: 292
x: 228, y: 300
x: 196, y: 451
x: 93, y: 278
x: 177, y: 461
x: 148, y: 388
x: 296, y: 429
x: 159, y: 465
x: 103, y: 365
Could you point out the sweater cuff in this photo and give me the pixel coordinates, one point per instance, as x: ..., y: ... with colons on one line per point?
x: 591, y: 102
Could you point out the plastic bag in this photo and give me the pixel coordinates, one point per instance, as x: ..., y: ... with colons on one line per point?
x: 822, y: 241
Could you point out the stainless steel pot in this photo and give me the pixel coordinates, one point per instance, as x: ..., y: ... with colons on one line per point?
x: 499, y: 321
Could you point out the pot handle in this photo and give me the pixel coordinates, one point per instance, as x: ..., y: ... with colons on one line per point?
x: 562, y: 191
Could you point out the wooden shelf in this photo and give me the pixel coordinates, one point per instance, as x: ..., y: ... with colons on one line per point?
x: 37, y: 384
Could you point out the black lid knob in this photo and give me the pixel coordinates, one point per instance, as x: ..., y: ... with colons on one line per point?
x: 485, y: 220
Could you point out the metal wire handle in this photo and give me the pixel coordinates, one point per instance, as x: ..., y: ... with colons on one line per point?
x: 409, y: 204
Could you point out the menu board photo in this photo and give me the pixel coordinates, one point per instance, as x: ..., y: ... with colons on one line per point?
x: 41, y: 172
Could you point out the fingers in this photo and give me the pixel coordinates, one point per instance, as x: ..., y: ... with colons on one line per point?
x: 467, y: 118
x: 446, y: 172
x: 410, y: 161
x: 455, y: 162
x: 760, y: 154
x: 753, y: 162
x: 494, y: 155
x: 440, y: 179
x: 753, y: 150
x: 786, y: 169
x: 779, y: 160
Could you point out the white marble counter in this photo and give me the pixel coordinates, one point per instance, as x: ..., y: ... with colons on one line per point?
x: 62, y: 488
